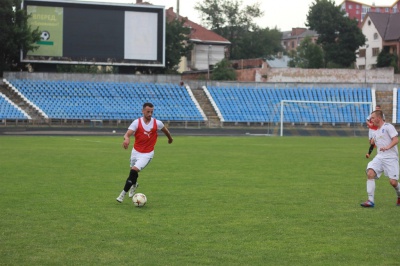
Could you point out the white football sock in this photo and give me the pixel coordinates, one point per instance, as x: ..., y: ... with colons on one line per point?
x: 371, y: 189
x: 397, y: 190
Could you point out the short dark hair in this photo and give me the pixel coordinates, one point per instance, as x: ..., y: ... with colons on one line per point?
x: 148, y: 104
x: 378, y: 113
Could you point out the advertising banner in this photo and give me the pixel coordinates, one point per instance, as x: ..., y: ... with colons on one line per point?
x: 50, y: 23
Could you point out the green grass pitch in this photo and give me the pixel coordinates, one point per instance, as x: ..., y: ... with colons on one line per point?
x: 211, y: 201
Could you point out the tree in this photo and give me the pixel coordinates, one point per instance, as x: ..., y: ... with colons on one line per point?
x: 387, y: 59
x: 176, y: 46
x: 339, y: 36
x: 294, y: 59
x: 226, y: 18
x: 307, y: 55
x: 223, y: 71
x: 259, y: 43
x: 15, y: 34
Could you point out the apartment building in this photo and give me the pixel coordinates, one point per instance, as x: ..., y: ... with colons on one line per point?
x: 292, y: 39
x: 359, y: 9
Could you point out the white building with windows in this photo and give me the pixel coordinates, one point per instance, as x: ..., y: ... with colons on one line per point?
x: 381, y: 30
x: 209, y: 48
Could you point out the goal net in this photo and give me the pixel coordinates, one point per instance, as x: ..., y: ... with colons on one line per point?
x: 323, y: 112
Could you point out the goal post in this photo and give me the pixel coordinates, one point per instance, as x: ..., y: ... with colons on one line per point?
x: 323, y: 112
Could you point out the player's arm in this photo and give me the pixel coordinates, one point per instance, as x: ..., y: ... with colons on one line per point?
x: 394, y: 142
x: 127, y: 138
x: 166, y: 132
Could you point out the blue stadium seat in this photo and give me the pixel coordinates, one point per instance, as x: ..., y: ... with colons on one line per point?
x: 8, y: 110
x: 263, y: 104
x: 101, y: 100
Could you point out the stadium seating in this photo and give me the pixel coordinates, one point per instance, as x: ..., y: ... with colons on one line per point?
x: 108, y: 100
x: 263, y: 104
x: 120, y: 101
x: 9, y: 110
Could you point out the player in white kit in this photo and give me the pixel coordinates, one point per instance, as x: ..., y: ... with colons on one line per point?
x: 387, y: 159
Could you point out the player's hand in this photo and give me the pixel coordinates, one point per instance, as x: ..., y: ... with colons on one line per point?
x: 170, y: 141
x: 384, y: 149
x: 125, y: 144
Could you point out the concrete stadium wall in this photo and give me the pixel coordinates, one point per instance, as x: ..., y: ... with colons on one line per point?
x: 194, y: 84
x: 298, y: 75
x: 94, y: 77
x: 397, y: 78
x: 381, y: 75
x: 379, y: 87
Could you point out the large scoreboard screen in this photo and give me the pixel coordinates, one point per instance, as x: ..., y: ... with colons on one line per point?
x: 74, y: 32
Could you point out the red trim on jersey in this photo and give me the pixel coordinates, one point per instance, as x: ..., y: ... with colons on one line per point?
x: 145, y: 140
x: 371, y: 126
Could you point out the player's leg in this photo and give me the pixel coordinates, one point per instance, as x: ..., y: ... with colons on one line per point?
x: 131, y: 182
x: 138, y: 165
x: 374, y: 170
x: 133, y: 176
x: 370, y: 189
x: 393, y: 174
x: 395, y: 184
x: 138, y: 162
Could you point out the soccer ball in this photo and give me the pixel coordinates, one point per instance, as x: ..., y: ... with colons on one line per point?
x: 139, y: 199
x: 45, y: 36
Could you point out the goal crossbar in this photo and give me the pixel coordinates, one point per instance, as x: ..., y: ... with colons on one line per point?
x: 317, y: 102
